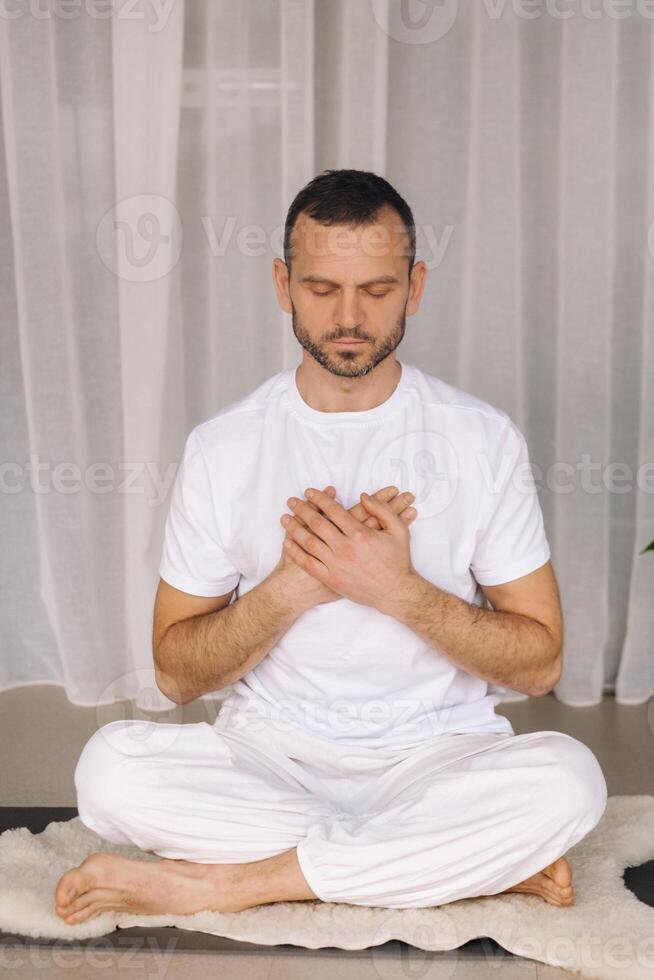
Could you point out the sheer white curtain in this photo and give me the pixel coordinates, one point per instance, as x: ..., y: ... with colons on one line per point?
x: 147, y: 165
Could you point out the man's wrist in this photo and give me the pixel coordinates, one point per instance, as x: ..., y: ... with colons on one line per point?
x: 282, y: 588
x: 405, y: 597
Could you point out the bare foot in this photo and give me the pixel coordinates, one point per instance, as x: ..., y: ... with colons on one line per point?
x: 107, y: 882
x: 553, y: 883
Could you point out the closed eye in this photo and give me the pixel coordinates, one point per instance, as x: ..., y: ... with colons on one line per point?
x: 328, y: 292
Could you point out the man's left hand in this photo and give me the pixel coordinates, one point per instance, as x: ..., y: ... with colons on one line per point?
x: 368, y: 566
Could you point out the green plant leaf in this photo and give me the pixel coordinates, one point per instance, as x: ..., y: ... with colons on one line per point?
x: 650, y: 547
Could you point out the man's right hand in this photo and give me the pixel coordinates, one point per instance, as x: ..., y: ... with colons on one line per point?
x: 311, y: 592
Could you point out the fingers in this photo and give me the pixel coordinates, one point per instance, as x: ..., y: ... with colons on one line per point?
x: 398, y: 501
x: 408, y: 514
x: 336, y: 518
x: 331, y: 490
x: 314, y: 521
x: 306, y: 537
x: 399, y: 504
x: 361, y: 514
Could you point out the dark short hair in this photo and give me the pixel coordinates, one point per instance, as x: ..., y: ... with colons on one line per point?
x: 348, y: 197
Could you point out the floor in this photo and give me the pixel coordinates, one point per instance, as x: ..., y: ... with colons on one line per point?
x: 41, y: 736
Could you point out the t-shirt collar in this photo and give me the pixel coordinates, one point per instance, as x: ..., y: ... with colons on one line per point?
x: 388, y: 407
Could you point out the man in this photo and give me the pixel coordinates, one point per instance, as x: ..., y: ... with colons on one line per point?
x: 358, y: 757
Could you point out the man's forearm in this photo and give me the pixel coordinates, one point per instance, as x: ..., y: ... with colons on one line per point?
x: 209, y: 652
x: 504, y: 648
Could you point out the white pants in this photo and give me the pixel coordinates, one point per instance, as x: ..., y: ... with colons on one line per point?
x: 456, y: 816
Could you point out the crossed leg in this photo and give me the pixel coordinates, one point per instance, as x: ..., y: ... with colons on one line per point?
x: 107, y: 882
x: 178, y: 886
x: 172, y: 886
x: 226, y: 832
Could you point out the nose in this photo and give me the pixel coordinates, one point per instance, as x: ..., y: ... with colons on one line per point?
x: 348, y: 313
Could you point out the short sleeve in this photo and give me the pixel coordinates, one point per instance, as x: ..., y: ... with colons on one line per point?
x: 511, y: 540
x: 193, y: 558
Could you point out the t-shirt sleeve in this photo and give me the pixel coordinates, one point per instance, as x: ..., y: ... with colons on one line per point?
x: 511, y: 540
x: 193, y: 558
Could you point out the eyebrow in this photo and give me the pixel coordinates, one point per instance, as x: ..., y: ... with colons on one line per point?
x: 391, y: 280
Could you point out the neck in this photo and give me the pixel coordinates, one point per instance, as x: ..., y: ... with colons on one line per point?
x: 327, y: 392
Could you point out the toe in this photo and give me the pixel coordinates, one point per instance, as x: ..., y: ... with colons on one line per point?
x: 65, y: 889
x: 563, y: 896
x: 72, y: 918
x: 78, y: 905
x: 96, y: 900
x: 85, y: 907
x: 78, y: 880
x: 561, y: 873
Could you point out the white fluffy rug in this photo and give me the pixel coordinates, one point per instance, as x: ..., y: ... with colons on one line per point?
x: 607, y: 933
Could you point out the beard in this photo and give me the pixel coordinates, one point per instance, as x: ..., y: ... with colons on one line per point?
x: 355, y: 362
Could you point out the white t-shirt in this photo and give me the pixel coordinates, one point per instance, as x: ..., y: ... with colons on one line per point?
x: 345, y: 670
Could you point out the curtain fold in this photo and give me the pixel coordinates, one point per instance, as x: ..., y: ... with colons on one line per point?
x: 62, y: 602
x: 147, y: 239
x: 146, y: 166
x: 583, y: 324
x: 631, y: 651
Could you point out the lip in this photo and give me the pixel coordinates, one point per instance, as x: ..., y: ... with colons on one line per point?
x: 349, y: 343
